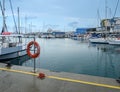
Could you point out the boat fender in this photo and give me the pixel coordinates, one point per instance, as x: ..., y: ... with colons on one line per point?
x: 36, y: 53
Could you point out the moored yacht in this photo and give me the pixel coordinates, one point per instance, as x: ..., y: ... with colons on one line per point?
x: 11, y: 44
x: 115, y: 40
x: 99, y: 38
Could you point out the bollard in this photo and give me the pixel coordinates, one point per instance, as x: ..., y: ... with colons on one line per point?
x: 8, y: 64
x: 118, y: 80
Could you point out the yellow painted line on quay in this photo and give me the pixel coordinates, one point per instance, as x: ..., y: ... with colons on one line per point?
x: 64, y: 79
x: 85, y: 82
x: 18, y: 71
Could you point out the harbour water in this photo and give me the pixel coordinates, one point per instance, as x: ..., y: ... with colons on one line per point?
x: 76, y: 56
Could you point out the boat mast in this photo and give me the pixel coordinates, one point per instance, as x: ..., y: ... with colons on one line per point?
x: 106, y: 27
x: 3, y: 15
x: 18, y: 23
x: 106, y: 9
x: 4, y: 28
x: 2, y: 6
x: 18, y: 20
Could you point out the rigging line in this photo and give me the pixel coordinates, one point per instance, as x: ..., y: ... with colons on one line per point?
x: 13, y: 16
x: 116, y: 8
x: 1, y: 8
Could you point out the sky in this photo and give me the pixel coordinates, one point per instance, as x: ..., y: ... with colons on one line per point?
x: 63, y: 15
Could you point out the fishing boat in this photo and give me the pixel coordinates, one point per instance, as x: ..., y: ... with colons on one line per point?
x: 11, y: 44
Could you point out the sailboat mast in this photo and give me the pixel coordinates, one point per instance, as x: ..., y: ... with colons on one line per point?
x: 18, y: 20
x: 19, y: 24
x: 106, y: 9
x: 3, y: 11
x: 106, y: 28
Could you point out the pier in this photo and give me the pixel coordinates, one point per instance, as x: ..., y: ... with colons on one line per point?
x: 22, y: 79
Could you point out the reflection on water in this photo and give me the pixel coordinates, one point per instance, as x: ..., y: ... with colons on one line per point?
x: 78, y: 57
x: 108, y: 57
x: 19, y: 60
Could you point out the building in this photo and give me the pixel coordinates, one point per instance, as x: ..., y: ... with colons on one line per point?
x: 111, y: 25
x: 59, y: 34
x: 81, y: 30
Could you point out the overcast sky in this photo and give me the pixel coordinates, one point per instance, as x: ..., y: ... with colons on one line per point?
x: 64, y: 15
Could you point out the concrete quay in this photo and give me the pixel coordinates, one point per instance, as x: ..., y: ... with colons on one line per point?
x: 21, y: 79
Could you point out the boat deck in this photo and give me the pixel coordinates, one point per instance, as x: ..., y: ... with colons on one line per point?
x: 21, y: 79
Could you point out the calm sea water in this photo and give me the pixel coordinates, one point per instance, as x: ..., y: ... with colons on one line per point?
x: 76, y: 56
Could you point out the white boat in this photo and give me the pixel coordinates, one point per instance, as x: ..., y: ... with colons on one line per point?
x: 11, y: 45
x: 50, y: 36
x: 114, y: 41
x: 47, y: 36
x: 98, y: 40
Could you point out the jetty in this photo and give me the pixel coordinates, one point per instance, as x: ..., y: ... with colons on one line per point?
x: 22, y: 79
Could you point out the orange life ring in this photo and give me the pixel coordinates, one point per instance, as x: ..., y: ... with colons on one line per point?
x: 36, y: 54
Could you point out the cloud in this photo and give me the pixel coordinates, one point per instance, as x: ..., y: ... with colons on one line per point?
x: 58, y: 7
x: 71, y: 18
x: 75, y: 22
x: 51, y: 26
x: 29, y: 15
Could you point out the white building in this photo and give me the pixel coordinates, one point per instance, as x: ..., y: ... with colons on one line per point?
x: 112, y: 25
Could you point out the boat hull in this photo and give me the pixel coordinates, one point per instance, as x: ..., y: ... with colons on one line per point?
x: 114, y: 42
x: 12, y: 55
x: 98, y: 40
